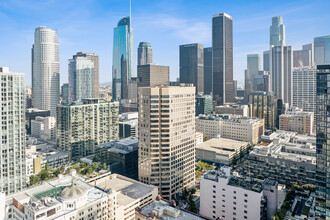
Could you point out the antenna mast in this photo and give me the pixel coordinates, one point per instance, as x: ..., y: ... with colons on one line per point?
x: 130, y: 14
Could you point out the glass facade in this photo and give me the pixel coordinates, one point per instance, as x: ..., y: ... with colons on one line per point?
x: 122, y: 59
x: 277, y: 32
x: 322, y: 50
x: 208, y: 79
x: 253, y: 67
x: 323, y: 143
x: 222, y: 58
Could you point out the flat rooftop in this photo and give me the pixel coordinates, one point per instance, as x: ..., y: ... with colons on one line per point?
x: 222, y: 146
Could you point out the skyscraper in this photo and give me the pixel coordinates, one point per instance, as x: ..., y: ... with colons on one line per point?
x: 12, y: 131
x: 222, y: 58
x: 208, y: 75
x: 167, y: 138
x: 144, y: 53
x: 253, y: 67
x: 122, y: 58
x: 277, y: 32
x: 95, y: 58
x: 303, y: 57
x: 281, y: 72
x: 45, y: 70
x: 153, y: 75
x: 192, y: 66
x: 266, y: 60
x: 322, y: 50
x: 322, y: 143
x: 81, y: 78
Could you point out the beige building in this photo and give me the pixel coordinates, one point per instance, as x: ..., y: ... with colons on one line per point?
x: 232, y: 127
x: 130, y: 194
x: 220, y: 150
x: 167, y: 137
x: 242, y: 110
x: 153, y: 75
x: 298, y: 121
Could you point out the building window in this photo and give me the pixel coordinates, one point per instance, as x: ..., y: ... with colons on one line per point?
x: 234, y: 192
x: 245, y: 217
x: 245, y: 211
x: 234, y: 197
x: 245, y: 200
x: 245, y: 195
x: 214, y: 186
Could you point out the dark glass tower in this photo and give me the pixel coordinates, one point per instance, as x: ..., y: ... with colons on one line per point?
x: 322, y: 143
x: 192, y: 66
x: 222, y: 56
x: 144, y: 53
x: 208, y: 79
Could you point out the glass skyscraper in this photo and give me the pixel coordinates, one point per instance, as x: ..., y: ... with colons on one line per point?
x: 322, y: 142
x: 144, y: 53
x: 222, y: 57
x: 208, y: 76
x: 122, y: 59
x: 253, y: 67
x: 277, y: 32
x: 322, y: 50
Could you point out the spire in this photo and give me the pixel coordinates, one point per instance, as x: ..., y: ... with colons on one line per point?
x: 130, y: 15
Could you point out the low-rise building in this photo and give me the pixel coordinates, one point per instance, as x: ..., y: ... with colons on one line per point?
x: 297, y: 120
x: 64, y: 198
x: 288, y: 158
x: 199, y: 138
x: 163, y: 209
x: 242, y: 110
x: 128, y: 125
x: 231, y: 126
x: 204, y: 104
x: 132, y: 194
x: 44, y: 128
x: 31, y: 114
x: 227, y: 197
x: 221, y: 150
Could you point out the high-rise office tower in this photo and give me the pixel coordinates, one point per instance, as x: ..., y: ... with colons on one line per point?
x: 192, y: 66
x: 235, y: 88
x: 45, y: 70
x: 304, y: 88
x: 204, y: 105
x: 277, y: 32
x: 322, y: 50
x: 262, y: 81
x: 122, y: 58
x: 266, y: 60
x: 253, y: 67
x: 222, y: 58
x: 82, y: 126
x: 208, y: 75
x: 264, y: 105
x: 65, y: 92
x: 12, y: 131
x: 322, y: 143
x: 81, y: 78
x: 144, y: 53
x: 281, y: 72
x: 95, y: 58
x: 303, y: 57
x: 167, y: 138
x: 153, y: 75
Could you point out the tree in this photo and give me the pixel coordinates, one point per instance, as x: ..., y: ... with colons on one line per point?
x: 191, y: 204
x: 206, y: 138
x: 193, y: 191
x: 44, y: 175
x: 75, y: 166
x: 47, y: 166
x: 87, y: 170
x: 201, y: 165
x: 241, y: 153
x: 234, y: 160
x: 95, y: 165
x: 33, y: 179
x: 62, y: 168
x: 57, y: 172
x: 104, y: 166
x: 83, y: 165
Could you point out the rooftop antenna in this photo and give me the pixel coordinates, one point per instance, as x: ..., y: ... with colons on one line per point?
x: 130, y: 14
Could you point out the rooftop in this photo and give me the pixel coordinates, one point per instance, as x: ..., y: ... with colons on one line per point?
x: 222, y: 146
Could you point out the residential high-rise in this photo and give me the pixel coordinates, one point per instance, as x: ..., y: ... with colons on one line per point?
x: 322, y: 145
x: 122, y: 58
x: 81, y: 78
x: 12, y: 131
x: 303, y: 57
x: 45, y: 70
x: 204, y: 104
x: 322, y: 50
x: 208, y: 74
x: 304, y: 88
x: 144, y: 53
x: 281, y: 72
x: 153, y: 75
x: 192, y: 66
x: 95, y: 58
x: 295, y: 119
x: 253, y: 67
x: 264, y: 105
x: 167, y: 138
x: 222, y: 58
x: 277, y: 32
x: 83, y: 125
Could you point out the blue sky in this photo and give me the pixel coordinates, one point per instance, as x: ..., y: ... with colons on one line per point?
x: 87, y: 25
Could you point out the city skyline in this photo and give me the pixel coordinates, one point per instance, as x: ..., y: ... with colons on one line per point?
x: 93, y: 33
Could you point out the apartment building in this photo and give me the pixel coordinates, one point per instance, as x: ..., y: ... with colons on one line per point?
x: 167, y: 137
x: 82, y: 126
x: 288, y: 158
x: 297, y: 120
x: 227, y: 197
